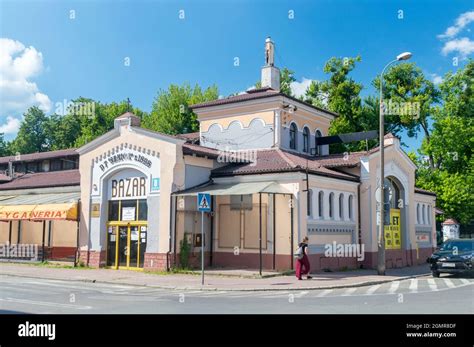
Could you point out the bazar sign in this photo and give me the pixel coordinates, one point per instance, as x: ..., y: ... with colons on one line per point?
x: 124, y: 158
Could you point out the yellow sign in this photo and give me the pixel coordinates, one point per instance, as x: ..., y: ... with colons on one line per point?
x: 392, y: 232
x: 95, y: 210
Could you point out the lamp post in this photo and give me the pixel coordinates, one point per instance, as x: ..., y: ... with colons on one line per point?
x: 381, y: 238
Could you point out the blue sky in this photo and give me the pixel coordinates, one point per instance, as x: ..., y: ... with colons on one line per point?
x: 66, y: 58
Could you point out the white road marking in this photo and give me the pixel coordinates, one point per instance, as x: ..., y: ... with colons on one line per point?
x: 372, y: 289
x: 465, y: 281
x: 324, y: 293
x: 432, y: 284
x: 393, y: 287
x: 349, y: 291
x: 45, y: 303
x: 413, y: 285
x: 449, y: 283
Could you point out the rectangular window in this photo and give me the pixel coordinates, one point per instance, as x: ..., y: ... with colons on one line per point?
x: 69, y: 164
x: 142, y: 210
x: 32, y: 167
x: 238, y: 202
x: 55, y: 165
x: 114, y: 210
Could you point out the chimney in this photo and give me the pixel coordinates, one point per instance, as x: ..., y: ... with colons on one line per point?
x: 270, y: 73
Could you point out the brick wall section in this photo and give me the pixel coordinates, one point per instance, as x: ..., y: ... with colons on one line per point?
x: 93, y: 258
x: 155, y: 261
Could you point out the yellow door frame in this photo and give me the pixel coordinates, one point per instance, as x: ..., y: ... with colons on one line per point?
x: 116, y: 225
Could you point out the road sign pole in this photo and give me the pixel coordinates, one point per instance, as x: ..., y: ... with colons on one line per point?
x: 202, y: 248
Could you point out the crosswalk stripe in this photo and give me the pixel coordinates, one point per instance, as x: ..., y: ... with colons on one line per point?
x: 449, y: 283
x: 432, y: 284
x: 465, y: 281
x: 349, y: 291
x: 324, y: 293
x: 413, y: 285
x: 393, y: 287
x: 372, y: 289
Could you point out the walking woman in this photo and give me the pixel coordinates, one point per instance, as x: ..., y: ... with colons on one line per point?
x: 302, y: 260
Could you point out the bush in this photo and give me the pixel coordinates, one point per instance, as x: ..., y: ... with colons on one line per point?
x: 184, y: 251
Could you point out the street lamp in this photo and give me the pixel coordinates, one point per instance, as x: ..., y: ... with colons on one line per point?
x: 381, y: 238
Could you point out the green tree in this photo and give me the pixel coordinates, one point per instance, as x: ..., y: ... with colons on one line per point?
x: 4, y: 146
x: 405, y: 85
x: 341, y: 94
x: 287, y: 77
x: 32, y: 136
x: 170, y: 110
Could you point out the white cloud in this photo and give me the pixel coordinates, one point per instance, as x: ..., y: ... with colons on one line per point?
x: 299, y: 88
x: 18, y: 66
x: 461, y: 22
x: 437, y: 79
x: 463, y: 46
x: 11, y: 126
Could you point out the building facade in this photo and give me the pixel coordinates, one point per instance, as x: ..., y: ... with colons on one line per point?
x: 271, y: 184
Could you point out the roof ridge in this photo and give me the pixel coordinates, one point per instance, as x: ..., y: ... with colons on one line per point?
x: 285, y: 158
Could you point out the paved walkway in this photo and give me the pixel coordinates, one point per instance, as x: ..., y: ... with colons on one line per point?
x: 326, y: 280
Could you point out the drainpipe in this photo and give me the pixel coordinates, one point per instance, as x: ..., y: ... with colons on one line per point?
x: 171, y: 230
x: 358, y: 218
x: 292, y: 222
x: 274, y: 232
x: 42, y: 244
x: 211, y: 231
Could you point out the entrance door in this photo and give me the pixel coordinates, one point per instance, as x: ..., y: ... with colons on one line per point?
x: 126, y: 245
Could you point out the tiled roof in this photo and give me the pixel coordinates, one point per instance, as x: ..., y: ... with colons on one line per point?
x: 450, y: 221
x: 254, y: 95
x: 423, y: 191
x: 189, y: 137
x: 200, y: 151
x: 277, y: 160
x: 43, y: 179
x: 40, y: 155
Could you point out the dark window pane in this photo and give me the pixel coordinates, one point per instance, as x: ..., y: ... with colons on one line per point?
x: 113, y: 210
x: 55, y: 165
x: 142, y: 210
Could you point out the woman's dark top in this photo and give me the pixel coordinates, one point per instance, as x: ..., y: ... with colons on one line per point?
x: 303, y: 245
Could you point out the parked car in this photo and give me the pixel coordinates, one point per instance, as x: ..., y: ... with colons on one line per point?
x: 453, y: 256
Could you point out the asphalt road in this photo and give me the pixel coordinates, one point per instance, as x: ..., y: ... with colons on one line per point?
x: 448, y: 294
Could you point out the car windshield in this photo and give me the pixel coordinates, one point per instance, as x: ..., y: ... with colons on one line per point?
x: 461, y: 246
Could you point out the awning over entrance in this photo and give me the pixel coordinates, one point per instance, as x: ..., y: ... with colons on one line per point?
x: 57, y: 206
x: 270, y: 187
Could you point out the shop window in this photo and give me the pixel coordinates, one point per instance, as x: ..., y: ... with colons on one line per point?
x: 114, y: 207
x: 142, y: 209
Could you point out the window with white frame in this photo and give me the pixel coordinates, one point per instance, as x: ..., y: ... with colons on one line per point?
x: 331, y: 205
x: 341, y: 206
x: 293, y: 135
x: 319, y: 150
x: 321, y: 204
x: 306, y: 140
x: 349, y: 204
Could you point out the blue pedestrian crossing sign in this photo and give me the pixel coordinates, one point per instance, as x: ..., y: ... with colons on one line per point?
x: 204, y: 202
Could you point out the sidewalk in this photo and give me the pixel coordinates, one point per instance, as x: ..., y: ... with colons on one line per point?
x: 326, y: 280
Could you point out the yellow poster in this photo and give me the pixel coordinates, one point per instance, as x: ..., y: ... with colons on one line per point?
x: 392, y: 232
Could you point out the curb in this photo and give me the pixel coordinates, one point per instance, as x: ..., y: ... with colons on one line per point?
x: 255, y: 289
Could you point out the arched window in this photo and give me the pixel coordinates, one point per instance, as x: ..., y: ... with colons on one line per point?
x: 310, y: 202
x: 428, y: 215
x: 417, y: 213
x: 331, y: 205
x: 306, y: 140
x: 349, y: 205
x: 341, y: 206
x: 423, y: 214
x: 319, y: 149
x: 395, y: 193
x: 321, y: 204
x: 293, y: 134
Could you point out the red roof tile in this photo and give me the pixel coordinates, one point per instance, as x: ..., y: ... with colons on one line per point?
x: 254, y: 95
x: 44, y: 179
x: 424, y: 191
x: 41, y: 155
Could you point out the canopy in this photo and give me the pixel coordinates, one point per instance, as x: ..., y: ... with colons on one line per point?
x: 58, y: 206
x: 236, y: 189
